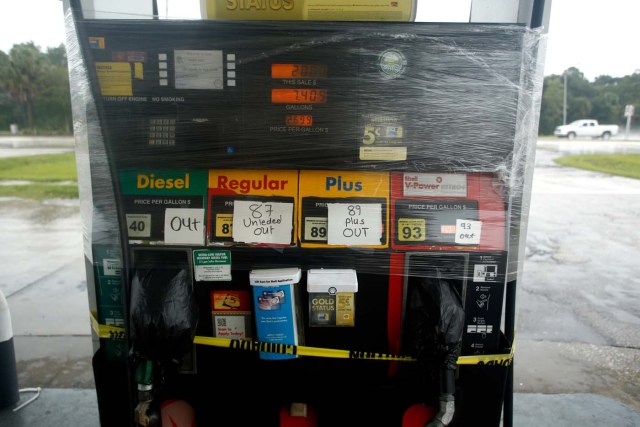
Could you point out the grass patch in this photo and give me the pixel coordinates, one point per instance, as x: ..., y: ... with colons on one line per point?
x: 40, y: 191
x: 627, y: 165
x: 41, y: 168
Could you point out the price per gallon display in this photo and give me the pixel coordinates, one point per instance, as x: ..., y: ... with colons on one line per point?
x: 299, y: 120
x: 434, y: 222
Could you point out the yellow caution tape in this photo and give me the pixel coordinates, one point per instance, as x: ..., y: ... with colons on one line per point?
x: 489, y: 359
x: 115, y: 332
x: 297, y: 349
x: 107, y: 331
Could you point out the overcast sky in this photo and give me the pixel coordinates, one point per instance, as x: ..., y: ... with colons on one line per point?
x: 595, y: 36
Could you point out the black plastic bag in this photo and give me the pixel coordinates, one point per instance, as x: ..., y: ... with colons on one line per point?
x: 437, y: 319
x: 163, y: 313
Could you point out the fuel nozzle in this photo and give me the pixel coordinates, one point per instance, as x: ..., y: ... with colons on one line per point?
x: 438, y: 322
x: 163, y: 319
x: 146, y: 413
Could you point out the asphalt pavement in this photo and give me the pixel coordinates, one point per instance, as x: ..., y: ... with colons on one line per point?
x: 578, y: 327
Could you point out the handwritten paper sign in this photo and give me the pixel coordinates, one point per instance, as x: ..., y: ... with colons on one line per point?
x: 468, y: 232
x: 262, y: 222
x: 353, y: 224
x: 184, y: 226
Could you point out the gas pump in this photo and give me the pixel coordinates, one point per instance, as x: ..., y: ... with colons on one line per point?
x: 306, y: 212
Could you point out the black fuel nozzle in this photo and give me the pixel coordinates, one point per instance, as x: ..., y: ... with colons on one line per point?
x: 163, y: 319
x: 438, y: 321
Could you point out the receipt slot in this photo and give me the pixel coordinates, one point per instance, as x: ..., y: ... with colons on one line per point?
x: 312, y: 201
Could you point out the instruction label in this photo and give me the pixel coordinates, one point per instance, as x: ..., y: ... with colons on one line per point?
x: 114, y: 78
x: 212, y: 266
x: 107, y: 268
x: 199, y: 69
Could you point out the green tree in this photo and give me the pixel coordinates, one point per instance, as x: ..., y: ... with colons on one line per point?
x: 7, y: 104
x: 552, y: 104
x: 55, y: 103
x: 24, y: 77
x: 57, y: 56
x: 604, y: 99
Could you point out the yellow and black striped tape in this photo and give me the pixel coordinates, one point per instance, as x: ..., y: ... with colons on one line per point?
x: 297, y: 350
x: 115, y: 332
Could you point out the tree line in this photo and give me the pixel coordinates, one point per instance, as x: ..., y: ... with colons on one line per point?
x: 604, y: 99
x: 34, y: 90
x: 34, y: 93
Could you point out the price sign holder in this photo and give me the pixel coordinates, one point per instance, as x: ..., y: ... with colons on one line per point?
x: 360, y: 190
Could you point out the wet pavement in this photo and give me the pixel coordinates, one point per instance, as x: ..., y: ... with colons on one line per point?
x: 578, y: 326
x: 578, y: 304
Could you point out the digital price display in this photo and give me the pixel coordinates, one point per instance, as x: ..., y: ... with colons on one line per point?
x: 291, y: 71
x: 298, y: 96
x: 299, y: 120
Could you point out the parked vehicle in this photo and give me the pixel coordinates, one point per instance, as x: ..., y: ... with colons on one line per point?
x: 586, y: 128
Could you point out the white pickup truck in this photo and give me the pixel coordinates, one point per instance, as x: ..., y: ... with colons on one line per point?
x: 586, y: 128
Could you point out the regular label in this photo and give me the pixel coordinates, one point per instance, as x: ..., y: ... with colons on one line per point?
x: 315, y: 228
x: 139, y: 225
x: 468, y: 232
x: 184, y: 226
x: 353, y: 224
x: 262, y: 222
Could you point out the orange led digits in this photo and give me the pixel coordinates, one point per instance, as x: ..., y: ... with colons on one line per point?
x: 298, y: 96
x: 299, y: 120
x: 292, y: 71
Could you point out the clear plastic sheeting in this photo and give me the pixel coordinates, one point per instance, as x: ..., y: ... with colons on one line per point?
x: 399, y: 151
